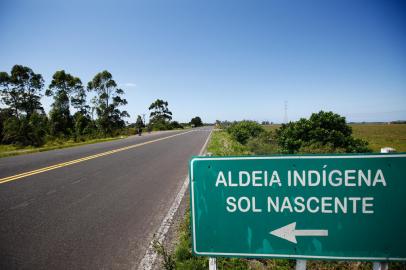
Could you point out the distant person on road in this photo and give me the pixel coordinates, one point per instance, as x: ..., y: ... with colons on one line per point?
x: 139, y: 131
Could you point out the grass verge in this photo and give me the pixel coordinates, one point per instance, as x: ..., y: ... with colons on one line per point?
x: 221, y: 144
x: 12, y: 150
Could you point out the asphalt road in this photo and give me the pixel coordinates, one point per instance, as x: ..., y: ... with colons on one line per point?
x: 99, y: 213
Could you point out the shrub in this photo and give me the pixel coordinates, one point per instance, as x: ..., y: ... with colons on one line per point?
x: 160, y: 124
x: 196, y: 121
x: 176, y: 125
x: 25, y: 131
x: 11, y: 131
x: 264, y: 144
x: 324, y: 129
x: 244, y: 130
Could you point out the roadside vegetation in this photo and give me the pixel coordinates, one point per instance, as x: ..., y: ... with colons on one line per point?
x: 79, y: 114
x: 323, y: 132
x: 14, y: 150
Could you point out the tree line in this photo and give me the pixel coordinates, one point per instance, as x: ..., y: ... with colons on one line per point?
x: 23, y: 120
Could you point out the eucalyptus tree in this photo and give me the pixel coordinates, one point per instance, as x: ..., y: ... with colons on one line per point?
x: 107, y: 102
x: 25, y: 122
x: 21, y: 90
x: 64, y: 87
x: 159, y: 111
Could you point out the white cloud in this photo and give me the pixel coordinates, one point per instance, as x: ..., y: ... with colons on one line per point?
x: 129, y: 84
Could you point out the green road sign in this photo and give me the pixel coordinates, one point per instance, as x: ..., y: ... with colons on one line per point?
x: 304, y: 207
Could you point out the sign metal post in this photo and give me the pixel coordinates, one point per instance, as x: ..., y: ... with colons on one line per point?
x: 212, y: 261
x: 300, y: 265
x: 380, y: 266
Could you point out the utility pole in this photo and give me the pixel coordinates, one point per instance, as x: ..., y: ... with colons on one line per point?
x: 285, y: 117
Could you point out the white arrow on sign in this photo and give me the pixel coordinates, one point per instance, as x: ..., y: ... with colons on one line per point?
x: 289, y: 232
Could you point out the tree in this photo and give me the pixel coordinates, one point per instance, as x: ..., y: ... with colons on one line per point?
x: 196, y: 121
x: 83, y: 124
x: 21, y: 90
x: 160, y: 115
x: 160, y: 111
x: 63, y: 86
x: 139, y: 123
x: 325, y: 131
x: 107, y: 102
x: 78, y: 98
x: 24, y: 121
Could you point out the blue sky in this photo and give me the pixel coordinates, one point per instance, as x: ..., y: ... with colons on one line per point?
x: 222, y: 59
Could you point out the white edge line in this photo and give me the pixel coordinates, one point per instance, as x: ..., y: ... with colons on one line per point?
x: 150, y: 255
x: 282, y: 255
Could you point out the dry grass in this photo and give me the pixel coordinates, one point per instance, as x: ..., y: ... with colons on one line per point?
x: 383, y: 135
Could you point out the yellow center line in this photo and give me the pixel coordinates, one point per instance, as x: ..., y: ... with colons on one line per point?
x: 75, y: 161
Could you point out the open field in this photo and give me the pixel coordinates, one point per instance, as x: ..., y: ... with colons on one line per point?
x: 378, y: 136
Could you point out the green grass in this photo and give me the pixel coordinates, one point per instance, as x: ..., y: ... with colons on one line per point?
x: 221, y: 144
x: 13, y: 150
x: 378, y: 136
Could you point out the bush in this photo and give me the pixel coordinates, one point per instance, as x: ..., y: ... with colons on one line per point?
x: 11, y: 131
x: 4, y: 115
x: 160, y: 124
x: 196, y: 121
x: 244, y: 130
x: 222, y: 144
x: 176, y: 125
x: 318, y: 148
x: 325, y: 130
x: 25, y: 131
x: 264, y: 144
